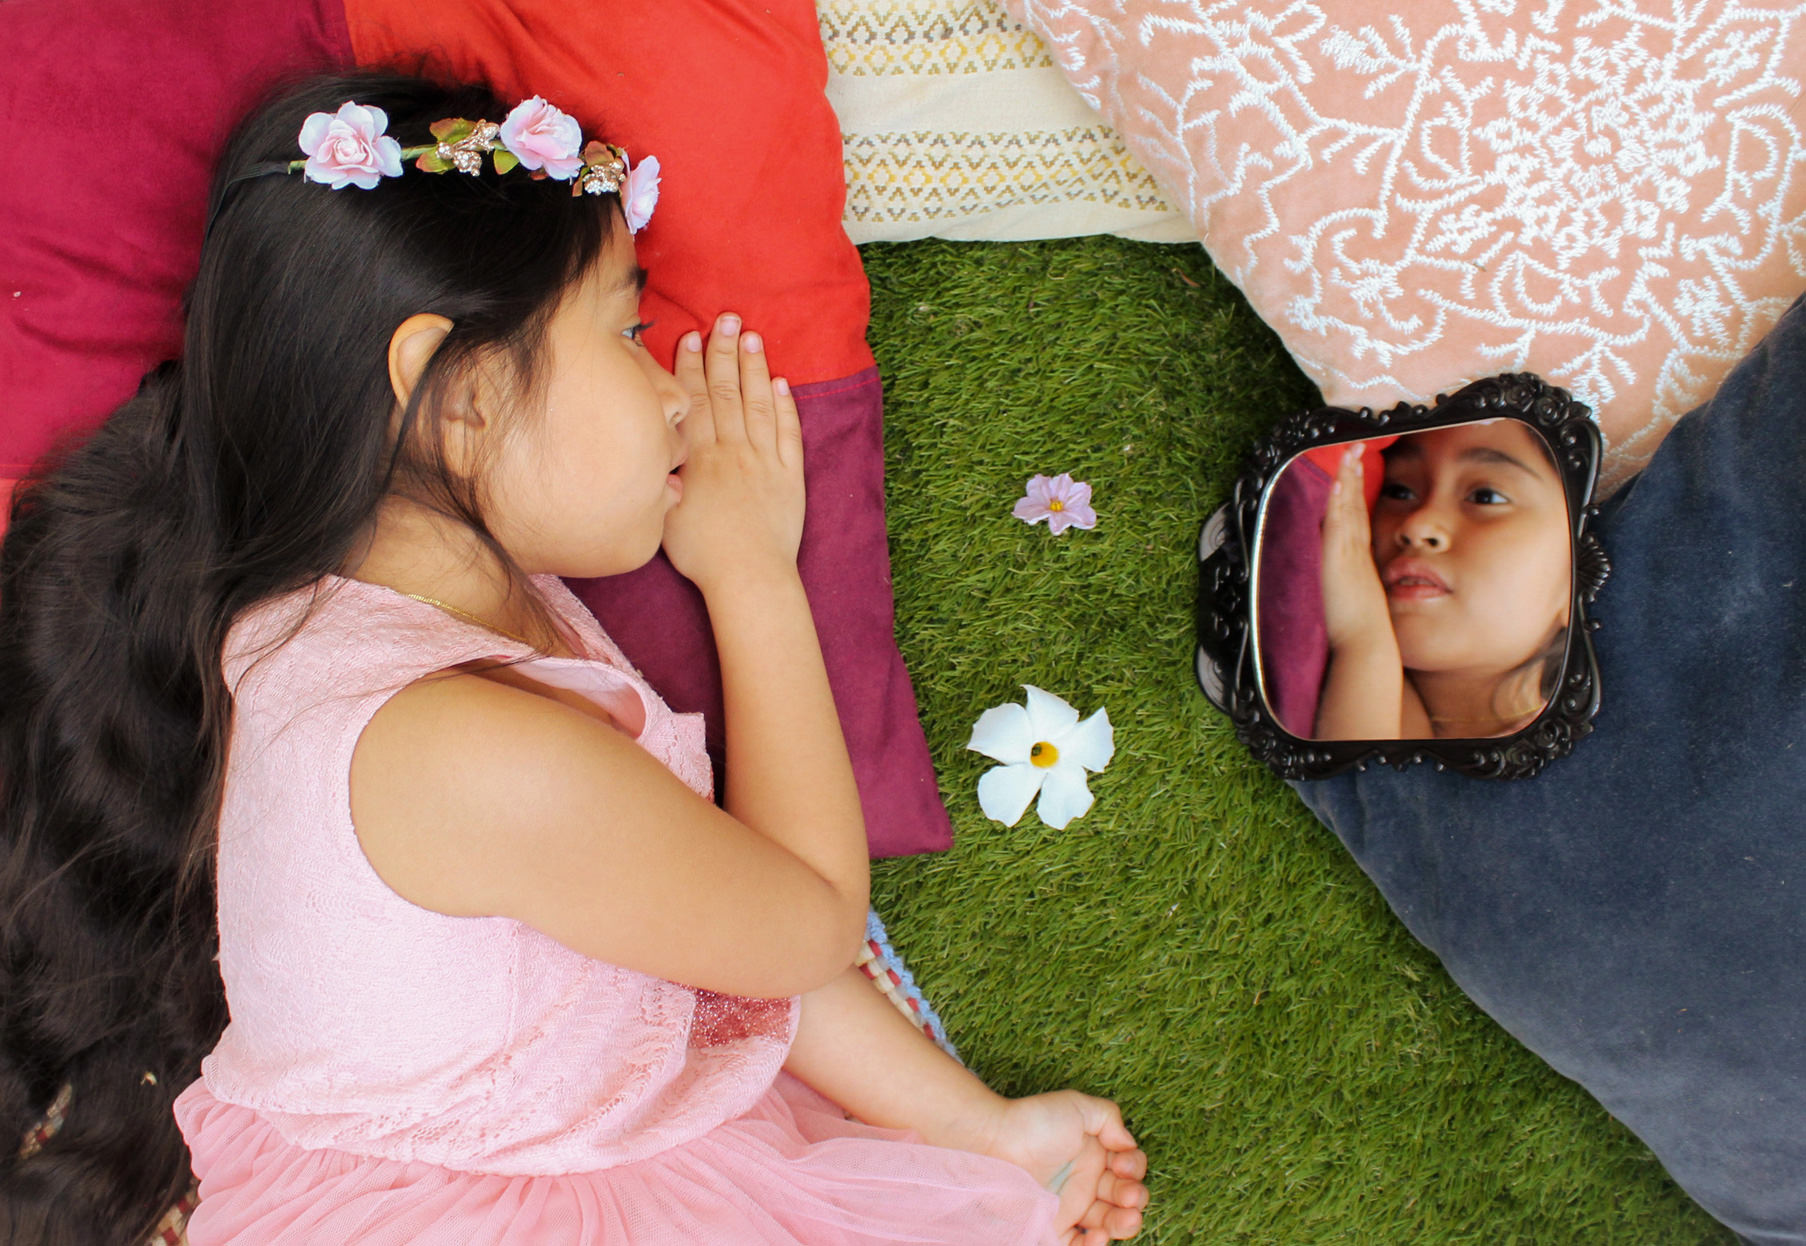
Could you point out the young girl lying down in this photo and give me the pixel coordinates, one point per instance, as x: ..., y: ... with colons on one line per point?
x: 1447, y: 608
x: 289, y: 632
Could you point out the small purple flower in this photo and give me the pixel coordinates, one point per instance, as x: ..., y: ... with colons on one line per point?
x: 1062, y: 501
x: 349, y: 148
x: 542, y: 137
x: 639, y: 194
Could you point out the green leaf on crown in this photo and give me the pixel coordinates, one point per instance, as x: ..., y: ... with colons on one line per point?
x: 452, y: 129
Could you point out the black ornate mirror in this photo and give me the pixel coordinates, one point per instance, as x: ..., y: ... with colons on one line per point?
x: 1409, y: 585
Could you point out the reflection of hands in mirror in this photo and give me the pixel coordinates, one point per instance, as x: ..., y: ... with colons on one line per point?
x: 1354, y: 600
x: 1365, y: 695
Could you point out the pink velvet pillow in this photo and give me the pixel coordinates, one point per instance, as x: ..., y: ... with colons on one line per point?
x: 1610, y: 194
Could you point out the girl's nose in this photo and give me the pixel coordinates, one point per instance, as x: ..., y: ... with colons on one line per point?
x: 671, y: 395
x: 1423, y: 529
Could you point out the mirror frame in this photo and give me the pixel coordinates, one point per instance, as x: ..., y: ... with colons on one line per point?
x: 1227, y: 662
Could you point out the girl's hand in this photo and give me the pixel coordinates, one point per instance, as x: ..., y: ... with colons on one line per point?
x: 1354, y: 600
x: 742, y: 505
x: 1077, y: 1145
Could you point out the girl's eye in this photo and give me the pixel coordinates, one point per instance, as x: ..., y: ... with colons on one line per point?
x: 636, y: 333
x: 1396, y: 492
x: 1488, y: 497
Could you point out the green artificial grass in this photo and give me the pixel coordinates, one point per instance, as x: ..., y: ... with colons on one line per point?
x: 1197, y: 947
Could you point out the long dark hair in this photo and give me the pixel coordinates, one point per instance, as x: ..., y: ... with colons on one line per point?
x: 250, y: 468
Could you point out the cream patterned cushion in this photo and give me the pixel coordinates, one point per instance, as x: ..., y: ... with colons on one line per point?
x: 1609, y: 192
x: 957, y: 124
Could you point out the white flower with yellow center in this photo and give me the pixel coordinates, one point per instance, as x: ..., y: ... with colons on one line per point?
x: 1044, y: 749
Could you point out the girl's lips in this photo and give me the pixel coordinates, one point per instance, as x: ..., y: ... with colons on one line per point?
x: 1408, y: 579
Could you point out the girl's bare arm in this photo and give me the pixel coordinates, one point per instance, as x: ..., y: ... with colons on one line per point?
x: 475, y: 798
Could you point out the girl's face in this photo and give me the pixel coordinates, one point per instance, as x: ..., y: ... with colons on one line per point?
x: 581, y: 486
x: 1470, y: 536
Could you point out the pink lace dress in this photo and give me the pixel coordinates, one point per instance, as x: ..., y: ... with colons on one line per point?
x: 394, y: 1076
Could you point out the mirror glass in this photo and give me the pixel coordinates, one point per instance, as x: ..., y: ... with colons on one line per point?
x: 1414, y: 586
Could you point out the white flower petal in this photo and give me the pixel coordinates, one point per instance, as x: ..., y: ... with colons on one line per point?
x: 1004, y: 791
x: 1003, y: 733
x: 1064, y: 795
x: 1091, y: 743
x: 1048, y: 716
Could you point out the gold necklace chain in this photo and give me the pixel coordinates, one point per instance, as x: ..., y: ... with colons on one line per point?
x: 468, y: 617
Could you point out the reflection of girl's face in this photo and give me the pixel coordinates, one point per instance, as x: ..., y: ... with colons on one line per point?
x: 1470, y: 536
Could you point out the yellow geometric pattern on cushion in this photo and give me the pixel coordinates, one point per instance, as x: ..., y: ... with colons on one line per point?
x: 957, y: 123
x: 1611, y: 193
x: 923, y: 37
x: 927, y: 175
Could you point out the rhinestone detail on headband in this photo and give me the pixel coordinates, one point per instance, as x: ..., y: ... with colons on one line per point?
x: 466, y: 154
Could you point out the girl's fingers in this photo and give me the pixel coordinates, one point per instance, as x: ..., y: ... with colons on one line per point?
x: 699, y: 424
x: 1347, y: 469
x: 789, y: 426
x: 1348, y: 499
x: 755, y: 392
x: 721, y: 364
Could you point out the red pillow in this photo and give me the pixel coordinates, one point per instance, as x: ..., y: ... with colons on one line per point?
x: 729, y: 95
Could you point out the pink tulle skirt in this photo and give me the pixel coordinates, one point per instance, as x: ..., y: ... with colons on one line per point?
x: 792, y: 1170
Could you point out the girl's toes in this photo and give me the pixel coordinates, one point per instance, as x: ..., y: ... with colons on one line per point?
x: 1130, y: 1164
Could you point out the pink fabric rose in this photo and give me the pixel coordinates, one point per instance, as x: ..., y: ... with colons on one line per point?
x: 639, y: 194
x: 349, y: 148
x: 542, y: 137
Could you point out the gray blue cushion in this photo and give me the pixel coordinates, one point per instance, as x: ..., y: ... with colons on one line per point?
x: 1636, y: 915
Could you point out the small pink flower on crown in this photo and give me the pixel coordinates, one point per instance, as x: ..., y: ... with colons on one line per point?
x: 543, y: 137
x: 639, y: 195
x: 350, y: 147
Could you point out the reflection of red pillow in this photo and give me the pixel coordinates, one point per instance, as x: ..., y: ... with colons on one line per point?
x: 728, y: 94
x: 1373, y: 467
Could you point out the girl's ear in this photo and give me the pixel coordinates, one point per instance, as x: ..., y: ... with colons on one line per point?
x: 460, y: 417
x: 410, y: 347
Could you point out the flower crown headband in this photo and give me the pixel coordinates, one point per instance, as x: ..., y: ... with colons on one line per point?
x: 351, y: 148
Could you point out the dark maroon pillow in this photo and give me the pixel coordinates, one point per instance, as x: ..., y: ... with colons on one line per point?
x: 117, y: 111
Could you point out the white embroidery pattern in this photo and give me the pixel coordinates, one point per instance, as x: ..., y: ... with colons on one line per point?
x: 1609, y: 192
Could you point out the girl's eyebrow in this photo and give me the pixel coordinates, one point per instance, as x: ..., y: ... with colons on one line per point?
x: 1486, y: 454
x: 633, y: 279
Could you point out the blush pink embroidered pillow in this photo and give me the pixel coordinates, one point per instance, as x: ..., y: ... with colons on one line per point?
x: 1611, y: 193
